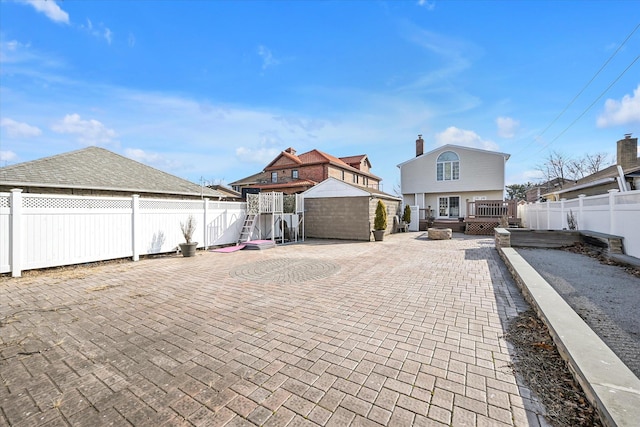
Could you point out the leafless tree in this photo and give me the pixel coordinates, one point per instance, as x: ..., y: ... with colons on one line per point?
x: 556, y: 165
x: 559, y: 165
x: 397, y: 191
x: 577, y: 168
x: 597, y: 161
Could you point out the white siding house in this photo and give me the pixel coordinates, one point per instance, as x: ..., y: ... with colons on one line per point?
x: 445, y: 179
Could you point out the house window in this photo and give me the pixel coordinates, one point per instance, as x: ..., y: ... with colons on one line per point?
x: 294, y: 174
x: 274, y: 176
x: 342, y: 173
x: 355, y: 178
x: 448, y: 166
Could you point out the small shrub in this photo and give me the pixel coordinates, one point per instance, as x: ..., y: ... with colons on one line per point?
x: 380, y: 222
x: 406, y: 217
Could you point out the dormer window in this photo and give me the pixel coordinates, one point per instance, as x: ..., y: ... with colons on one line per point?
x: 448, y: 166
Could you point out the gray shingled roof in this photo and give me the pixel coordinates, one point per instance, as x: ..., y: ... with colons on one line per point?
x: 98, y: 169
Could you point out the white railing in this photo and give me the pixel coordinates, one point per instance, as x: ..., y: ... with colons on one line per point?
x: 271, y: 202
x: 299, y: 203
x: 44, y: 230
x: 616, y: 213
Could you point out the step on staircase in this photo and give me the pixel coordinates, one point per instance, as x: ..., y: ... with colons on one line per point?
x: 247, y: 228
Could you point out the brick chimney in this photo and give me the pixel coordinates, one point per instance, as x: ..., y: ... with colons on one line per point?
x: 290, y: 151
x: 627, y: 155
x: 419, y: 146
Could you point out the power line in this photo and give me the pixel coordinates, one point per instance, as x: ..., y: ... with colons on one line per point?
x: 583, y: 89
x: 591, y: 105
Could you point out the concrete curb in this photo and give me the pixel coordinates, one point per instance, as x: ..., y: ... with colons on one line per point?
x: 609, y: 385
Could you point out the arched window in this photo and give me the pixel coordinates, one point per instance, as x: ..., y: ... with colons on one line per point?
x: 448, y: 166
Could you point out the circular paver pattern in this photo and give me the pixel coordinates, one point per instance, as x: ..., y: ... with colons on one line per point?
x: 285, y: 270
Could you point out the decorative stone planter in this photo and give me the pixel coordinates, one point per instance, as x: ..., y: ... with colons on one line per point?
x: 439, y: 233
x: 378, y: 235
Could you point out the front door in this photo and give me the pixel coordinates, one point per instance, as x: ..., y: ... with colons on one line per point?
x: 449, y: 207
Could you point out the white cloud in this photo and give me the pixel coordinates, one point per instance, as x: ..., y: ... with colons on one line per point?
x: 19, y: 130
x: 151, y: 158
x: 261, y: 155
x: 429, y: 5
x: 267, y: 57
x: 22, y: 59
x: 107, y: 35
x: 50, y: 8
x: 100, y: 32
x: 621, y: 112
x: 7, y: 156
x: 141, y: 155
x: 13, y: 52
x: 88, y: 131
x: 466, y: 138
x: 14, y: 45
x: 507, y: 127
x: 521, y: 175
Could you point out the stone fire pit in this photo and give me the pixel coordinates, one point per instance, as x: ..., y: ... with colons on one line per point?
x: 437, y: 233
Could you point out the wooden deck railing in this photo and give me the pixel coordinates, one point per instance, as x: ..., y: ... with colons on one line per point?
x: 492, y: 209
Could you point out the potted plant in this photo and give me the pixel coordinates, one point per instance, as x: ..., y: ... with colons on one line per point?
x: 406, y: 216
x: 430, y: 217
x: 188, y: 228
x: 380, y: 222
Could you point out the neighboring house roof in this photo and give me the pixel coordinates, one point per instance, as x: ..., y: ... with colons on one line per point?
x: 226, y: 191
x: 584, y: 185
x: 251, y: 179
x: 604, y: 176
x: 537, y: 190
x: 288, y: 184
x: 315, y: 157
x: 455, y: 147
x: 96, y: 168
x: 341, y: 163
x: 290, y: 156
x: 306, y: 159
x: 355, y: 160
x: 332, y: 187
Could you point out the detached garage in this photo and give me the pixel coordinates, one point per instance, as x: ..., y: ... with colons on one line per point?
x: 335, y: 209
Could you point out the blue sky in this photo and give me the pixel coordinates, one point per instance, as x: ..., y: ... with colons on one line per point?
x: 214, y: 90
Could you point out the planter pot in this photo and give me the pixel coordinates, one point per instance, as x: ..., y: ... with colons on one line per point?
x: 378, y: 235
x: 188, y: 249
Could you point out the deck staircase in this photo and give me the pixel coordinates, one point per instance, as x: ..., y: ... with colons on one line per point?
x: 247, y: 228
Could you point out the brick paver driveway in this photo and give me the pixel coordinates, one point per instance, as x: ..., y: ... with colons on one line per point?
x: 401, y: 332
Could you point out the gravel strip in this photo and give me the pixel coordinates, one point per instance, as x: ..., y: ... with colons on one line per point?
x: 606, y: 297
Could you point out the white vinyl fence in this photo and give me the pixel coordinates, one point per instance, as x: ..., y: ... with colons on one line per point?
x: 43, y: 230
x: 613, y: 213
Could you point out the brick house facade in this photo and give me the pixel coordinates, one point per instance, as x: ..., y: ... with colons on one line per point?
x: 293, y: 173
